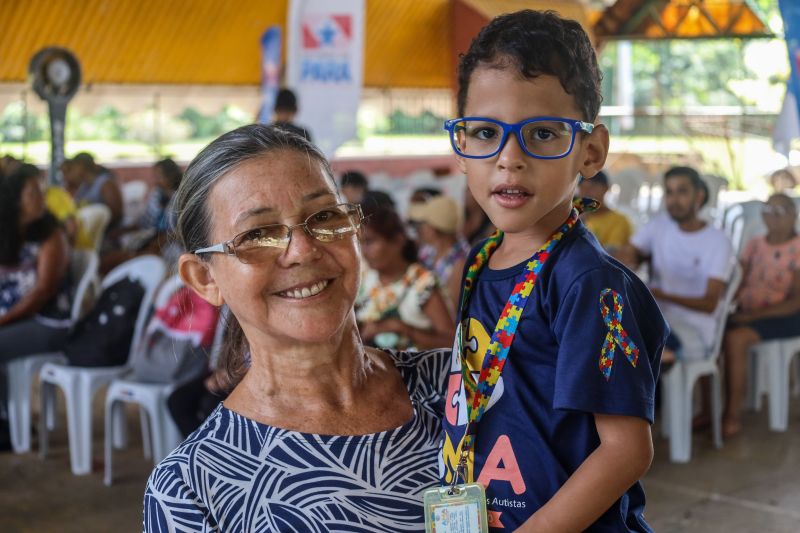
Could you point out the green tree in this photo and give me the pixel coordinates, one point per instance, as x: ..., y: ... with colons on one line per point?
x: 17, y: 125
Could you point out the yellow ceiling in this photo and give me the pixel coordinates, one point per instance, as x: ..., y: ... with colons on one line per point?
x: 217, y: 41
x: 211, y: 41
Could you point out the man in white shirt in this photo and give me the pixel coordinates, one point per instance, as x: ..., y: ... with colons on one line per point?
x: 691, y: 262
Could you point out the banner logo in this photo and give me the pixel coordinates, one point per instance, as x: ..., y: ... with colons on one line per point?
x: 327, y: 32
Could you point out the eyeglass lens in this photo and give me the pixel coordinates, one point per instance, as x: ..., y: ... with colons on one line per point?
x: 547, y: 138
x: 326, y: 225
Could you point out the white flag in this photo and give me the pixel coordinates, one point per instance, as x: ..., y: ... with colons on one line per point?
x: 325, y: 67
x: 787, y: 125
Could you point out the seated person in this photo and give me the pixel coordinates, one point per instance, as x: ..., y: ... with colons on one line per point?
x: 783, y: 180
x: 444, y: 249
x: 151, y: 233
x: 158, y: 213
x: 399, y: 304
x: 60, y: 204
x: 354, y: 186
x: 423, y: 194
x: 690, y: 265
x: 769, y: 299
x: 34, y: 284
x: 8, y: 164
x: 612, y: 229
x: 192, y: 402
x: 89, y: 183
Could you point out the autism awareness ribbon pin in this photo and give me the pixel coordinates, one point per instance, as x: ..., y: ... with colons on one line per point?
x: 616, y: 336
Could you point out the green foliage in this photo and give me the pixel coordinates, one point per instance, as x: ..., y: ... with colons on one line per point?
x: 679, y: 73
x: 14, y: 122
x: 105, y: 123
x: 404, y: 124
x: 203, y: 126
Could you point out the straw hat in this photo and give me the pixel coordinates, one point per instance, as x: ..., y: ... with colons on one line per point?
x: 440, y: 212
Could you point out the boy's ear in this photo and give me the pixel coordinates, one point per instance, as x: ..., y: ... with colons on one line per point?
x: 595, y: 151
x: 460, y: 162
x: 196, y: 274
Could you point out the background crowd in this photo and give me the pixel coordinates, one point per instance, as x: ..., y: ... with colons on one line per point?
x: 409, y: 293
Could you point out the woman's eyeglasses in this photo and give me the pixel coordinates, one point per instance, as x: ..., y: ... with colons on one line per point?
x: 259, y: 244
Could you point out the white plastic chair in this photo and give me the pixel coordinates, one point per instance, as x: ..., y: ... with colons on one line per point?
x: 677, y: 386
x: 20, y: 372
x: 160, y: 434
x: 770, y: 374
x: 741, y: 222
x: 134, y: 200
x: 80, y: 384
x: 94, y: 219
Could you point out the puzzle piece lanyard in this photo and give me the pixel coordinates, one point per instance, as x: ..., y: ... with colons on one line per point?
x: 478, y: 393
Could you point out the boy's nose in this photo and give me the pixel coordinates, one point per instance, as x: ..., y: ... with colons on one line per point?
x: 512, y: 156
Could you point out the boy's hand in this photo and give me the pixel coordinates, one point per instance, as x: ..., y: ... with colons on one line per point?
x: 623, y: 457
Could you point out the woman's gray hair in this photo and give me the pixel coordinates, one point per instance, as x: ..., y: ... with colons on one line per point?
x: 193, y: 226
x: 216, y: 160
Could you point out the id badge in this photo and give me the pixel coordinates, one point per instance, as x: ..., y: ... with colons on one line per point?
x: 460, y: 510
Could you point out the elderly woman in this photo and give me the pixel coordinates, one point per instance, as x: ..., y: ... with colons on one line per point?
x: 320, y: 433
x: 768, y: 299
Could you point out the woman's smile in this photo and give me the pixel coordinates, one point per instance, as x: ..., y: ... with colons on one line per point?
x: 304, y: 291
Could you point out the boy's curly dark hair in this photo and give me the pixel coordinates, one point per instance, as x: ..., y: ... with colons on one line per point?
x: 536, y: 43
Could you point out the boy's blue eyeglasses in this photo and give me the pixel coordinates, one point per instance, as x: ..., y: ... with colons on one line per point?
x: 539, y: 137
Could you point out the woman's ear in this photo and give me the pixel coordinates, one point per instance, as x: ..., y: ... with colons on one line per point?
x: 196, y: 274
x: 594, y: 151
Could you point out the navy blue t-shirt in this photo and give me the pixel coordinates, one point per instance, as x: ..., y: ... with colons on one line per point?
x: 539, y: 426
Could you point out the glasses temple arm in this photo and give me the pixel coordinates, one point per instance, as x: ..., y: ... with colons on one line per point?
x: 221, y: 248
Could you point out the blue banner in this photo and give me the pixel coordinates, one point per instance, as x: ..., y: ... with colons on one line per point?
x: 270, y: 71
x: 790, y: 10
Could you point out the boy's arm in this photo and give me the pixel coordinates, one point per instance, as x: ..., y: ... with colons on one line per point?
x: 623, y: 457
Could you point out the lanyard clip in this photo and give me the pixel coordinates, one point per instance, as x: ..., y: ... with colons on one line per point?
x: 459, y: 471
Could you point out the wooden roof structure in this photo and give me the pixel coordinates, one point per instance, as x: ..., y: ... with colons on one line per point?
x: 680, y: 19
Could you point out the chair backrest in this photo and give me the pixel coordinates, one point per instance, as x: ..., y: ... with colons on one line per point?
x: 83, y: 269
x: 94, y: 219
x: 149, y: 271
x: 727, y: 306
x: 742, y: 222
x: 134, y: 199
x: 629, y: 183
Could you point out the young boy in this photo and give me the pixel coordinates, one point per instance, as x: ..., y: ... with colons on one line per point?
x: 565, y: 434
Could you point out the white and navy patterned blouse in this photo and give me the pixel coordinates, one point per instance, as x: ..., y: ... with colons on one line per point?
x: 236, y: 475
